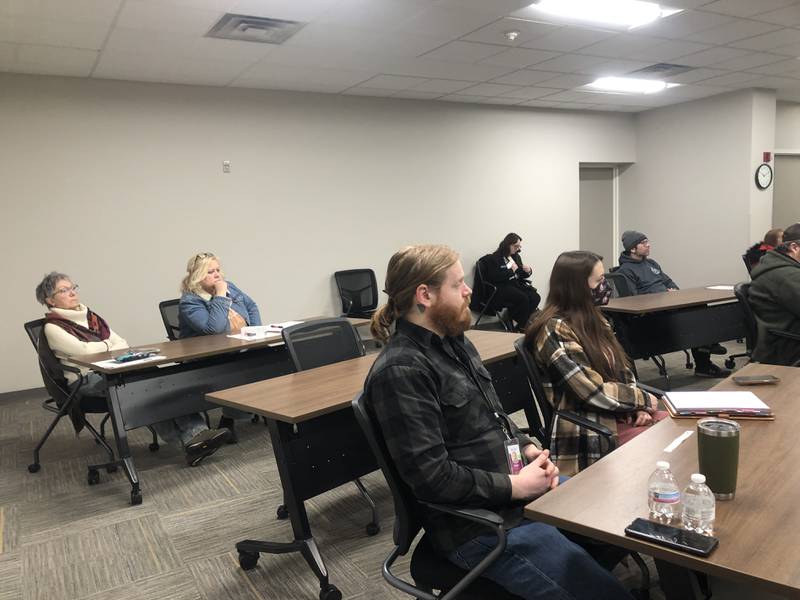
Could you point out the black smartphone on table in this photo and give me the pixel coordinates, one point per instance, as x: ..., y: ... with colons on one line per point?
x: 672, y: 537
x: 755, y: 379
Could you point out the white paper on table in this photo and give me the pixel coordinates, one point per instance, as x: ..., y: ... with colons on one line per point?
x: 278, y: 327
x: 112, y: 364
x: 727, y: 288
x: 745, y: 401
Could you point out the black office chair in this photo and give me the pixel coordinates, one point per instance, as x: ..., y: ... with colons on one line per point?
x: 169, y: 315
x: 318, y: 343
x: 483, y: 293
x: 428, y: 570
x: 742, y: 293
x: 545, y: 418
x: 358, y: 290
x: 66, y: 400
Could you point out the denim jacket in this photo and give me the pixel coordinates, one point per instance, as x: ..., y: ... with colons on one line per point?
x: 204, y: 314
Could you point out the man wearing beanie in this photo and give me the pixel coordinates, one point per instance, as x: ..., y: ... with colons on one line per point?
x: 645, y: 276
x: 775, y: 298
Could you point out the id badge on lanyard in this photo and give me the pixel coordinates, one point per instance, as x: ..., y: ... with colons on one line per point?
x: 516, y: 460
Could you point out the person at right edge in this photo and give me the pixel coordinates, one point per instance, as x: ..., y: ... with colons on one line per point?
x: 646, y: 277
x: 452, y: 443
x: 775, y: 298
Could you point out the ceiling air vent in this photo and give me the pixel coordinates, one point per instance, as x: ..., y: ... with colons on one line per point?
x: 254, y: 29
x: 661, y: 71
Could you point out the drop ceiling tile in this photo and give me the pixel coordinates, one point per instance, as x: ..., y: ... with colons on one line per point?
x: 150, y: 16
x: 446, y: 22
x: 518, y: 57
x: 684, y: 24
x: 85, y: 34
x: 621, y: 46
x: 371, y: 14
x: 415, y: 95
x: 502, y: 100
x: 439, y: 69
x: 524, y: 77
x: 572, y: 96
x: 289, y: 10
x: 349, y: 39
x: 308, y: 78
x: 495, y: 7
x: 567, y: 39
x: 611, y: 68
x: 462, y: 98
x: 709, y: 57
x: 691, y: 92
x: 220, y: 6
x: 731, y: 32
x: 568, y: 81
x: 745, y: 8
x: 392, y: 82
x: 667, y: 51
x: 792, y: 50
x: 570, y: 63
x: 769, y: 41
x: 494, y: 32
x: 75, y: 10
x: 374, y: 92
x: 784, y: 68
x: 788, y: 16
x: 778, y: 83
x: 442, y: 86
x: 46, y: 60
x: 530, y: 92
x: 133, y: 66
x: 488, y: 89
x: 731, y: 80
x: 748, y: 62
x: 339, y: 58
x: 695, y: 75
x: 541, y: 104
x: 468, y: 52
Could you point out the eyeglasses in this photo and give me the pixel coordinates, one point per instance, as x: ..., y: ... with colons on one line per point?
x: 74, y: 288
x: 201, y: 256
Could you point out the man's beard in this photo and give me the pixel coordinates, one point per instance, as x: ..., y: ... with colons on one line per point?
x: 452, y: 321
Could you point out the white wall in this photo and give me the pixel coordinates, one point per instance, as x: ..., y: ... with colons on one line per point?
x: 787, y: 127
x: 692, y: 187
x: 119, y: 183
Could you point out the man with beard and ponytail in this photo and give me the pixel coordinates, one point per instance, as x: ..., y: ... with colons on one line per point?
x: 452, y: 443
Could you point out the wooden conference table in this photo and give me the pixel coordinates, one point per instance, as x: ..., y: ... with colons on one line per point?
x: 176, y: 382
x: 650, y: 325
x: 758, y: 530
x: 317, y: 442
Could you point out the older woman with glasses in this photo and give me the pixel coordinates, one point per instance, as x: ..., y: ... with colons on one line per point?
x: 72, y: 329
x: 211, y: 305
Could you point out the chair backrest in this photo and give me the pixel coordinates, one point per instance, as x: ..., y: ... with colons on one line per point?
x: 619, y: 283
x: 322, y: 342
x: 169, y: 315
x: 407, y: 523
x: 742, y: 293
x: 747, y: 264
x: 358, y: 290
x: 50, y: 367
x: 544, y: 411
x: 482, y: 290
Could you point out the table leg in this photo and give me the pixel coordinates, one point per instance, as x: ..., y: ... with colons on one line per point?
x: 121, y: 437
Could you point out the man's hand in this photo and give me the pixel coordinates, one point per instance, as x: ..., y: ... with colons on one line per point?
x: 221, y: 288
x: 527, y: 269
x: 642, y: 418
x: 535, y: 478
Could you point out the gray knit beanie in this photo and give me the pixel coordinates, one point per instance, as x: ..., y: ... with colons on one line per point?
x: 631, y: 238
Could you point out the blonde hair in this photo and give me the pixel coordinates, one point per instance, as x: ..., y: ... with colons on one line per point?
x: 196, y: 271
x: 408, y: 269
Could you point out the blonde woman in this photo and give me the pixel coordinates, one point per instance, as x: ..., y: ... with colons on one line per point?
x: 211, y: 305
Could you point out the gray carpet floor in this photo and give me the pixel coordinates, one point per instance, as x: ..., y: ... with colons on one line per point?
x: 63, y: 539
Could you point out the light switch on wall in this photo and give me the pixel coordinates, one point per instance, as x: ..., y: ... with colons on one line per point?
x: 226, y: 166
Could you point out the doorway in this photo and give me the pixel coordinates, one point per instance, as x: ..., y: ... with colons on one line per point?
x: 598, y: 211
x: 785, y: 201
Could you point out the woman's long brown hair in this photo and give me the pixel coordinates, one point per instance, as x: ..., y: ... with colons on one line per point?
x: 570, y: 298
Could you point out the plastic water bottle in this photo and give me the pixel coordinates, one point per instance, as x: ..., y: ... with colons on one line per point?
x: 663, y: 494
x: 698, y: 506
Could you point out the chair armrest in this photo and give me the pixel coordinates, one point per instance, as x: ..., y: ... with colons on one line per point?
x: 785, y: 334
x: 478, y: 515
x: 650, y: 389
x: 71, y: 369
x: 598, y: 428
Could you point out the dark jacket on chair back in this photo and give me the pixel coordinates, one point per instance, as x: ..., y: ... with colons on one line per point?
x: 775, y: 299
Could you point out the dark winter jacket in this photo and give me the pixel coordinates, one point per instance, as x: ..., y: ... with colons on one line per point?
x: 645, y: 276
x: 775, y: 298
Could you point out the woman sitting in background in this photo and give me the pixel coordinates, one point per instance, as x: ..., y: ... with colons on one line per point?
x: 210, y: 305
x: 504, y: 268
x: 585, y: 368
x: 772, y: 239
x: 71, y: 329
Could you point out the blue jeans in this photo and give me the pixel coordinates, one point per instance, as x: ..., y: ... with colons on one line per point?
x: 540, y: 563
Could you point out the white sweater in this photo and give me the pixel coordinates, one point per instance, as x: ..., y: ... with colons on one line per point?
x: 65, y: 344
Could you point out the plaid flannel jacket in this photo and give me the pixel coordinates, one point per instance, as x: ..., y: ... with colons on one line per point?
x: 433, y: 410
x: 572, y: 384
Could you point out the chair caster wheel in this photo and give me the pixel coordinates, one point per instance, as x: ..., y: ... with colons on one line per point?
x: 93, y: 477
x: 730, y: 363
x: 34, y: 467
x: 282, y: 512
x: 254, y: 420
x: 331, y: 592
x: 372, y: 529
x: 111, y: 469
x: 136, y: 498
x: 248, y: 560
x: 153, y: 447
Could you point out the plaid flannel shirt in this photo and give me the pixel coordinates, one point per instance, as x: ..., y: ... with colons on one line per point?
x: 433, y: 410
x: 572, y: 384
